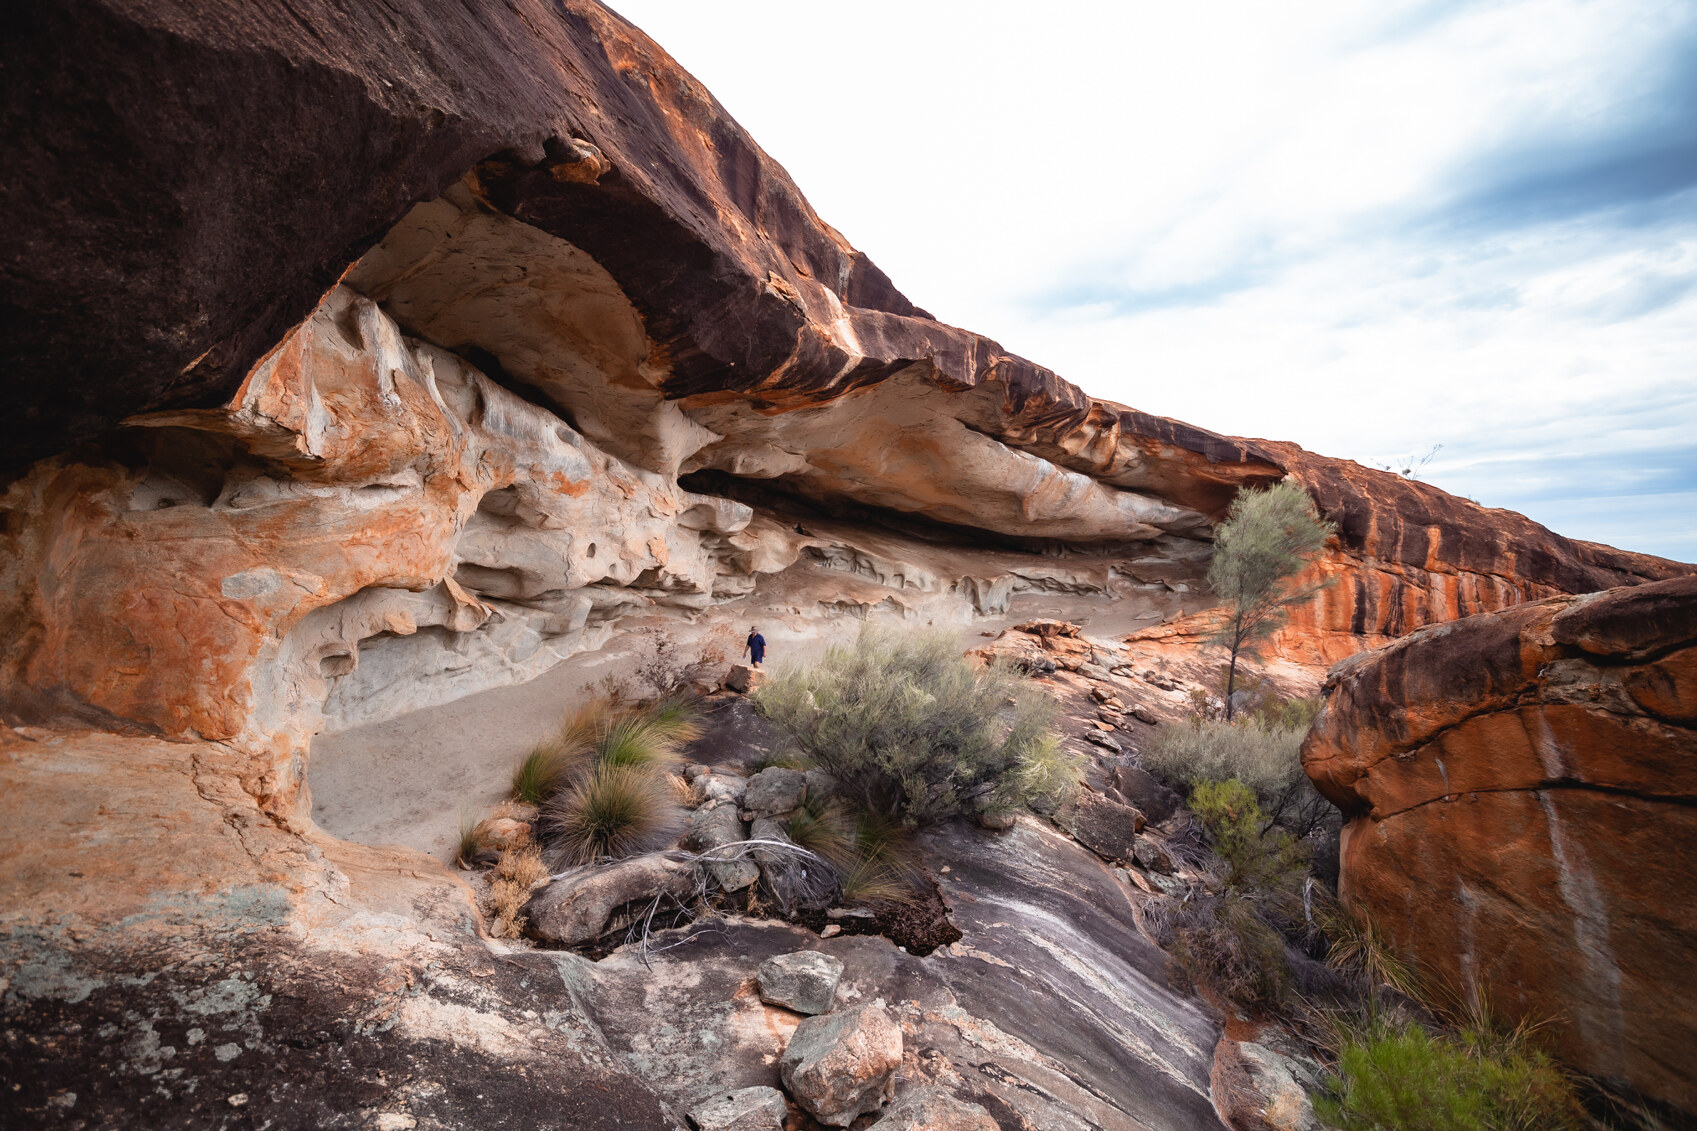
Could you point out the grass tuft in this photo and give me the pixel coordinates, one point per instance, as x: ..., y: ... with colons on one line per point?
x: 614, y: 810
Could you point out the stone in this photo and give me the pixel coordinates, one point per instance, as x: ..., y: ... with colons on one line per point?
x: 831, y: 930
x: 1153, y: 855
x: 841, y: 1065
x: 1258, y: 1089
x: 933, y: 1109
x: 1105, y: 827
x: 1144, y: 715
x: 1517, y: 810
x: 1101, y: 739
x: 499, y: 834
x: 1144, y: 791
x: 743, y: 679
x: 774, y: 790
x: 804, y: 981
x: 747, y: 1109
x: 582, y: 906
x: 821, y: 786
x: 996, y: 821
x: 716, y: 825
x: 718, y: 786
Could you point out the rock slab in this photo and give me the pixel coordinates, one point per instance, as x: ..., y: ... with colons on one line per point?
x: 932, y: 1109
x: 1105, y: 827
x: 805, y: 981
x: 842, y: 1065
x: 746, y: 1109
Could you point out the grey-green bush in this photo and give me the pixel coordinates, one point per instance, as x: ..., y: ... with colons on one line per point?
x: 1264, y: 756
x: 911, y: 729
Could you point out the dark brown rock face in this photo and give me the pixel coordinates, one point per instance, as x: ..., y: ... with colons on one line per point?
x: 1520, y: 792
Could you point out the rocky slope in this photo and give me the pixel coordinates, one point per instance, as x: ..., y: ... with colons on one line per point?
x: 1519, y: 791
x: 360, y: 360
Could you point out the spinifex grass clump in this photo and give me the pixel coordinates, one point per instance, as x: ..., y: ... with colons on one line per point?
x: 874, y: 857
x: 604, y: 784
x: 912, y: 730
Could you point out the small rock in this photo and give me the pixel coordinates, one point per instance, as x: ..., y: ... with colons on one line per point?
x: 722, y: 787
x: 774, y: 790
x: 932, y: 1109
x: 805, y: 981
x: 238, y: 1100
x: 831, y: 931
x: 1101, y: 694
x: 746, y: 1109
x: 851, y: 913
x: 1102, y: 740
x: 841, y: 1065
x: 1145, y: 715
x: 498, y: 834
x: 579, y: 907
x: 1048, y: 628
x: 996, y: 821
x: 695, y: 770
x: 394, y: 1121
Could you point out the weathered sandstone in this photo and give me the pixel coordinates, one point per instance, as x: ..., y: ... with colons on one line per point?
x: 1519, y: 792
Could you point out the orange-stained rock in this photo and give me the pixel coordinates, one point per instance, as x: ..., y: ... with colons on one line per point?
x: 1518, y: 788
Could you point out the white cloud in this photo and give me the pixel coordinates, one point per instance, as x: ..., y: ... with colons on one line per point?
x: 1365, y: 228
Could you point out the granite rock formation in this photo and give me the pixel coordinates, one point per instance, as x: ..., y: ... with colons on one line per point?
x: 362, y: 358
x: 1519, y: 790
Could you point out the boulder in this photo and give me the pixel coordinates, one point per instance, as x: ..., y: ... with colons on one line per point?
x: 1144, y: 791
x: 805, y: 981
x: 1153, y: 855
x: 821, y: 786
x: 932, y: 1109
x: 581, y: 907
x: 1517, y: 792
x: 997, y: 821
x: 743, y: 679
x: 1105, y: 827
x: 842, y: 1065
x: 722, y: 787
x: 774, y: 790
x: 746, y: 1109
x: 1099, y: 738
x: 716, y: 825
x: 1258, y: 1089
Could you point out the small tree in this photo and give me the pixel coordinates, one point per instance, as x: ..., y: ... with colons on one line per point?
x: 1267, y: 538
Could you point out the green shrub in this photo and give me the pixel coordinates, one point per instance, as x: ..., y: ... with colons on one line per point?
x: 1264, y: 756
x: 909, y: 728
x: 1265, y: 861
x: 1393, y: 1075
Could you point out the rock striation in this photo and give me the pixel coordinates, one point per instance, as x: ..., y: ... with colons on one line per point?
x: 1519, y: 792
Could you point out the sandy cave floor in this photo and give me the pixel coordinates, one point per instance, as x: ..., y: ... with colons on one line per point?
x: 411, y: 780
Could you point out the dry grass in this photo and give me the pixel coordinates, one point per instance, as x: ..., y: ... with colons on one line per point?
x: 510, y: 882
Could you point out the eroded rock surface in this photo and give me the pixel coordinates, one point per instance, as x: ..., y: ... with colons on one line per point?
x: 1519, y: 789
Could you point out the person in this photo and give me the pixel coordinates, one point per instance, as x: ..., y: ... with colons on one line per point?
x: 756, y: 646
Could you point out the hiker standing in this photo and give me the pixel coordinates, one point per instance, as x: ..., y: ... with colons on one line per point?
x: 756, y: 646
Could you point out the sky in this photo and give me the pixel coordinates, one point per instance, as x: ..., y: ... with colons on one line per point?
x: 1370, y: 227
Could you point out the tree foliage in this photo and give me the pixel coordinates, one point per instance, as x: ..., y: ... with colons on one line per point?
x: 1267, y: 538
x: 910, y: 729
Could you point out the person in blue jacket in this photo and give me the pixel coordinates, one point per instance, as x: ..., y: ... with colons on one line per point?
x: 756, y: 646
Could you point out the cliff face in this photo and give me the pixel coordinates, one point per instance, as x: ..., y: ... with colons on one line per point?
x: 1518, y: 789
x: 362, y: 359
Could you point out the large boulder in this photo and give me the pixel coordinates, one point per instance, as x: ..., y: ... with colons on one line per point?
x: 585, y: 905
x: 932, y: 1109
x: 747, y: 1109
x: 1517, y: 789
x: 805, y: 981
x: 1144, y: 791
x: 842, y: 1065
